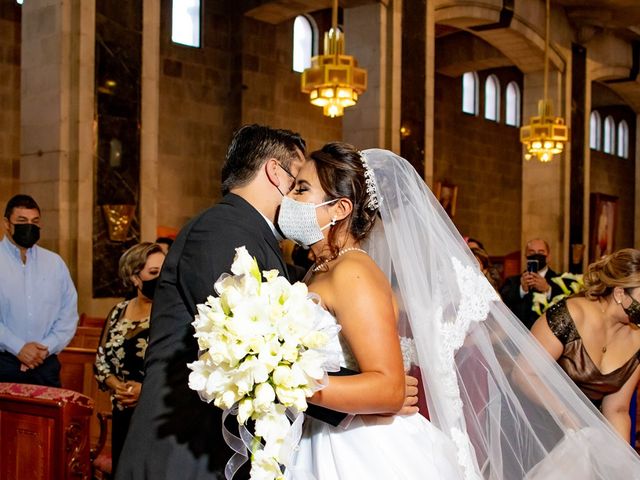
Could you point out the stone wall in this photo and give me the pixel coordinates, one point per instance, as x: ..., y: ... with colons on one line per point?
x: 241, y: 74
x: 615, y: 176
x: 484, y: 159
x: 9, y: 101
x: 198, y: 114
x: 271, y: 89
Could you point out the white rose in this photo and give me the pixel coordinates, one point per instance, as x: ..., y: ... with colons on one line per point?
x: 245, y: 410
x: 264, y: 467
x: 198, y: 376
x: 282, y: 376
x: 289, y: 351
x: 270, y: 354
x: 312, y: 362
x: 242, y: 262
x: 273, y: 425
x: 292, y: 397
x: 264, y: 397
x: 270, y: 275
x: 315, y: 339
x: 227, y: 400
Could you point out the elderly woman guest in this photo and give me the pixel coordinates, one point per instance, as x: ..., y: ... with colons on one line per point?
x: 595, y: 337
x: 119, y: 362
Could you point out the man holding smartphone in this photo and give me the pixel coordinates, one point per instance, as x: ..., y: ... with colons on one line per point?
x: 517, y: 291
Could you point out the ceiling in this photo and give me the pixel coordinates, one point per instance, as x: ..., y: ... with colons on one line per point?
x: 621, y: 16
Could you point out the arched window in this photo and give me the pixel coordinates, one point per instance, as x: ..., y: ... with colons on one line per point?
x: 595, y: 131
x: 609, y: 135
x: 185, y: 22
x: 304, y: 34
x: 623, y: 139
x: 512, y: 105
x: 492, y: 98
x: 470, y: 93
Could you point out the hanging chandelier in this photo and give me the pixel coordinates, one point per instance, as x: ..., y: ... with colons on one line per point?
x: 334, y: 81
x: 545, y: 135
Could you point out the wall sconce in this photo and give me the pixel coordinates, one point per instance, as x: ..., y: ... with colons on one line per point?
x: 405, y: 132
x: 118, y: 218
x: 115, y: 153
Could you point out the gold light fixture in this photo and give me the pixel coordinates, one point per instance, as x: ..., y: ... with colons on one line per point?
x: 118, y: 219
x: 545, y: 135
x: 334, y: 80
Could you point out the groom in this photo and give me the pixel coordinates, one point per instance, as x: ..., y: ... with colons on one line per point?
x: 173, y: 434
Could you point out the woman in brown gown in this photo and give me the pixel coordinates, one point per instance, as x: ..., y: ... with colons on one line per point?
x: 595, y: 338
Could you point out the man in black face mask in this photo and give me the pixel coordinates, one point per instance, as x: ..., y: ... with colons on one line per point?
x: 517, y: 291
x: 38, y: 301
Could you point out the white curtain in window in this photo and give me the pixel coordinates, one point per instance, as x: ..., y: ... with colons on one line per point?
x: 609, y: 135
x: 623, y: 139
x: 492, y: 98
x: 185, y: 22
x: 470, y: 93
x: 302, y: 43
x: 513, y: 105
x: 595, y: 131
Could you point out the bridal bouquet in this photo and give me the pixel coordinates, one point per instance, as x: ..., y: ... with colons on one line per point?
x: 575, y: 285
x: 265, y: 346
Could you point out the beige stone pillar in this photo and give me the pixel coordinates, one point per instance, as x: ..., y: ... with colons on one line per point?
x: 149, y: 119
x: 373, y: 37
x: 430, y: 79
x: 57, y: 117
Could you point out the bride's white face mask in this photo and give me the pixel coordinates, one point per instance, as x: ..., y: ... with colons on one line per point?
x: 298, y: 221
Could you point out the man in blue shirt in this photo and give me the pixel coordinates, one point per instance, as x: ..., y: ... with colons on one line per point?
x: 38, y: 301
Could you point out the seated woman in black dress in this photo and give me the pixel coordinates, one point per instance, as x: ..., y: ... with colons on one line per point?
x: 120, y: 358
x: 595, y: 338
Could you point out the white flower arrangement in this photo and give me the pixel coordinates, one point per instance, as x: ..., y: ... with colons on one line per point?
x: 576, y: 284
x: 264, y: 348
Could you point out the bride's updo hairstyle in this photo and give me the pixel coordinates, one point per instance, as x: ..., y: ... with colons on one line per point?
x: 342, y: 175
x: 620, y: 269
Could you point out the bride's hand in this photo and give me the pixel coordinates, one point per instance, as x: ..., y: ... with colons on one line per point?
x: 410, y: 396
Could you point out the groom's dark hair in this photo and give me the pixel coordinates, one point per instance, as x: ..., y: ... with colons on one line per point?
x: 251, y: 146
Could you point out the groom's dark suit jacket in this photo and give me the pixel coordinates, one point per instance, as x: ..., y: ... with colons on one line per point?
x: 174, y: 434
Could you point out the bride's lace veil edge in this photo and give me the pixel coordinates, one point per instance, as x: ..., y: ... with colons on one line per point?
x: 490, y: 387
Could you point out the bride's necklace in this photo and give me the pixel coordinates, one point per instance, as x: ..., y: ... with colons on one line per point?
x: 341, y: 252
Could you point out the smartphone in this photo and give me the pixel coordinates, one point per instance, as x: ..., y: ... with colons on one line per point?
x: 532, y: 266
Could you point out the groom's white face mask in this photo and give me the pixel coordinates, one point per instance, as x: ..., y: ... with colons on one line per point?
x: 298, y: 221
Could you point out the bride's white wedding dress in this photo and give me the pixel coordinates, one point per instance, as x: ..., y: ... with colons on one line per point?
x: 500, y: 407
x: 373, y: 446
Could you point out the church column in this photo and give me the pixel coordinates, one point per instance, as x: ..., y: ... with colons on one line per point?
x: 580, y: 159
x: 49, y: 101
x: 150, y: 115
x: 373, y: 37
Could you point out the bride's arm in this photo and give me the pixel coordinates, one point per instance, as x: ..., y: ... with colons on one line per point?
x: 362, y: 300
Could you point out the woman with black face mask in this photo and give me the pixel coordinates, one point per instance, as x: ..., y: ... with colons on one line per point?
x: 595, y: 337
x: 119, y: 362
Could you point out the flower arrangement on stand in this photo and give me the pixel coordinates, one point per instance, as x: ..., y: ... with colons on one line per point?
x: 569, y: 283
x: 265, y: 347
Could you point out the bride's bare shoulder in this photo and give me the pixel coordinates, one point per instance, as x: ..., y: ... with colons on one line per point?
x: 358, y: 270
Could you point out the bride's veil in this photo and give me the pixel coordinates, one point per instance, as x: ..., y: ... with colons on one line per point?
x: 509, y: 409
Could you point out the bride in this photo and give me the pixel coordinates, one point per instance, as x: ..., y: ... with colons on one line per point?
x: 406, y: 290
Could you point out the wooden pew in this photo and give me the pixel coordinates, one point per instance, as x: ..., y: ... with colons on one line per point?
x: 44, y: 433
x: 77, y: 373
